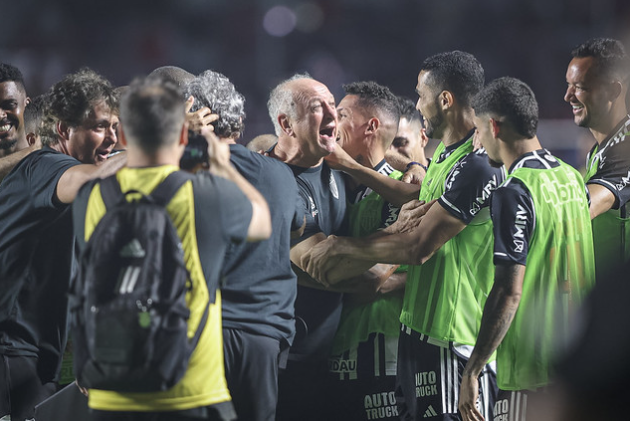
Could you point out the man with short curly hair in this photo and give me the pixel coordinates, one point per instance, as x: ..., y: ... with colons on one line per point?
x: 215, y: 92
x: 36, y: 240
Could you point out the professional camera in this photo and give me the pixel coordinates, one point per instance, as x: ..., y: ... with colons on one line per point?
x: 195, y: 155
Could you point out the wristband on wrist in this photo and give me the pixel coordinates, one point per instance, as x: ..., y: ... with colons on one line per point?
x: 424, y: 167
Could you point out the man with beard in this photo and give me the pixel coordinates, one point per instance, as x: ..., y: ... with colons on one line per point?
x: 36, y: 238
x: 543, y: 252
x: 449, y: 249
x: 597, y: 79
x: 407, y: 148
x: 13, y: 101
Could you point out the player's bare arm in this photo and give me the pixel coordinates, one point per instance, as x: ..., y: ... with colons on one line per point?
x: 602, y: 199
x: 393, y: 191
x: 498, y: 314
x: 73, y: 178
x: 415, y: 247
x: 370, y: 278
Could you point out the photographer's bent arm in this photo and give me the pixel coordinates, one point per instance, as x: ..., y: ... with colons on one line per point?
x: 220, y: 165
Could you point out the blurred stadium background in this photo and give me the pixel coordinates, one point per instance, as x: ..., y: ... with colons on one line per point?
x: 257, y: 43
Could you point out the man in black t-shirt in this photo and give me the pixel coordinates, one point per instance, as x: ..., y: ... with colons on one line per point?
x: 36, y: 242
x: 305, y: 120
x: 260, y: 287
x: 597, y: 79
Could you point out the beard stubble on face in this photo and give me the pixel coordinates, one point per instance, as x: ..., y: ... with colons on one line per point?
x: 6, y: 144
x: 431, y: 124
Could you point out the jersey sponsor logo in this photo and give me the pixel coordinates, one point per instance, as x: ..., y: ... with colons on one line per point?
x: 556, y: 193
x: 392, y: 214
x: 501, y: 409
x: 380, y: 405
x: 342, y: 366
x: 624, y: 182
x: 520, y: 223
x: 601, y: 160
x: 430, y: 412
x: 454, y: 173
x: 426, y: 384
x: 486, y: 192
x: 333, y: 186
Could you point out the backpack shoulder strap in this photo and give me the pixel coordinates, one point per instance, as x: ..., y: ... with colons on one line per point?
x: 202, y: 324
x: 165, y: 191
x: 110, y: 191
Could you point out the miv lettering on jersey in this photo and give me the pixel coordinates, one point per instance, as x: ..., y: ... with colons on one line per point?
x: 556, y: 193
x: 342, y: 366
x: 426, y: 384
x: 501, y: 409
x: 380, y: 405
x: 519, y: 229
x: 453, y: 175
x: 486, y: 192
x: 392, y: 214
x: 624, y: 182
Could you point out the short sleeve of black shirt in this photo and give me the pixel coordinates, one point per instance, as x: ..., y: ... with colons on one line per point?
x: 469, y: 186
x: 513, y: 218
x: 37, y: 174
x: 259, y: 169
x: 613, y: 171
x: 44, y: 174
x: 235, y: 209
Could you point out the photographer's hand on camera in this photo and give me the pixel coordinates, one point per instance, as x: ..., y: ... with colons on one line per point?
x: 219, y: 155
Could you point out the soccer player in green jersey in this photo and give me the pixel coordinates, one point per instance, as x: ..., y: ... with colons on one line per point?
x: 363, y: 361
x: 543, y: 252
x: 597, y: 79
x: 450, y: 248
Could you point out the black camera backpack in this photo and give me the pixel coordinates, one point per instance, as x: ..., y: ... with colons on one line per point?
x: 128, y: 309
